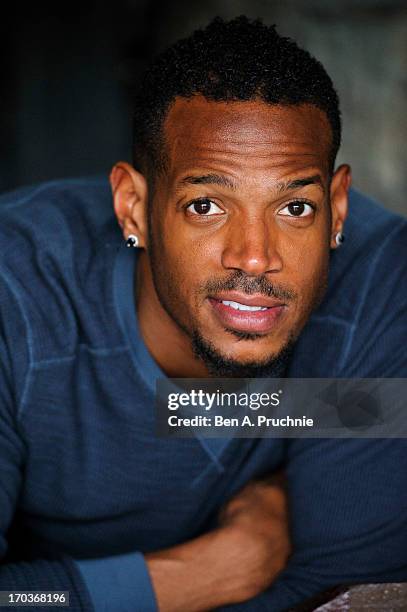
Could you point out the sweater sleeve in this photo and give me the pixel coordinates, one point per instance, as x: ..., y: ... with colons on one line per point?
x: 59, y: 574
x: 119, y: 583
x: 348, y: 502
x: 110, y: 583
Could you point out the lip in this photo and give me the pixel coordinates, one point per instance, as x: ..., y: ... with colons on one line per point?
x: 260, y: 321
x: 248, y: 300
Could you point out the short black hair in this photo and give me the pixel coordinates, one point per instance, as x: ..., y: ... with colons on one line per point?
x: 236, y: 60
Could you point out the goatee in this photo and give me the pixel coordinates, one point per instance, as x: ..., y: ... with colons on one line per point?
x: 220, y: 366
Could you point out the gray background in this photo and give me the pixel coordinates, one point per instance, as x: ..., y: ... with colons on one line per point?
x: 68, y: 76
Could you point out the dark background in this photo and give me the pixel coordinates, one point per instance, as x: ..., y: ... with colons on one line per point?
x: 68, y: 72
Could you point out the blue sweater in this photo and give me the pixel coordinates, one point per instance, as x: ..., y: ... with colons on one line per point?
x: 85, y: 486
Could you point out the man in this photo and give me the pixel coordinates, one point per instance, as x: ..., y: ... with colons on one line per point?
x: 238, y: 215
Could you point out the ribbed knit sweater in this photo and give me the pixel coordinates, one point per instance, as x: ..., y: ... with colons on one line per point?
x: 86, y: 488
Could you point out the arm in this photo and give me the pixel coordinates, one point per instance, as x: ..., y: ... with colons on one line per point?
x: 208, y: 572
x: 198, y: 575
x: 348, y: 502
x: 58, y: 574
x: 92, y: 584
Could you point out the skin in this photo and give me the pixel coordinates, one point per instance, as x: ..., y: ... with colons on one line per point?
x: 232, y: 563
x: 260, y: 148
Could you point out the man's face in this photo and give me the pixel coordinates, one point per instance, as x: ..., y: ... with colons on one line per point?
x: 240, y: 224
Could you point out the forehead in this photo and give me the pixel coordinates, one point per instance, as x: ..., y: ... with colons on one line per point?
x: 252, y: 134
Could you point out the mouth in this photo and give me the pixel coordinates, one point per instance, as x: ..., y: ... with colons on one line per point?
x: 247, y: 313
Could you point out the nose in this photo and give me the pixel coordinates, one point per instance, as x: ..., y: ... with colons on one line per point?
x: 252, y: 248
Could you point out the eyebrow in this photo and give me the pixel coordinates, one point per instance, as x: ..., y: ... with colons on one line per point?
x: 301, y: 182
x: 223, y: 181
x: 209, y: 179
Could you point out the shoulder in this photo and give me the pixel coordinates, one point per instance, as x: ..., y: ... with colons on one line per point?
x: 363, y: 318
x: 59, y: 241
x: 63, y: 206
x: 374, y: 254
x: 373, y: 235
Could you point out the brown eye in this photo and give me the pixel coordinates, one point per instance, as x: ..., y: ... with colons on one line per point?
x: 297, y: 209
x: 204, y: 206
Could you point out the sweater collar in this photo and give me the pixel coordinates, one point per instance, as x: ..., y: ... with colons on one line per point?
x: 147, y: 368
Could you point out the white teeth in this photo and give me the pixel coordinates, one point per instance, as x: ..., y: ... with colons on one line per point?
x: 238, y: 306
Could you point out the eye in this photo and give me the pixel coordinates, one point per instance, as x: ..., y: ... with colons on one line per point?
x: 297, y: 209
x: 204, y: 207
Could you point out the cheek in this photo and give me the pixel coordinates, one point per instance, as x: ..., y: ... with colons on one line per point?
x: 314, y: 281
x: 179, y: 264
x: 306, y: 266
x: 188, y: 253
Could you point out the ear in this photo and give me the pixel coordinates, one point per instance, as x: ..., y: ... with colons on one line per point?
x: 339, y: 190
x: 130, y: 198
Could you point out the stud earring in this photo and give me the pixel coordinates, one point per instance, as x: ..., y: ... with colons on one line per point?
x: 132, y: 241
x: 339, y: 238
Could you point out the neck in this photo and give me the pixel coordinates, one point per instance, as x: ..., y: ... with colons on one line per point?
x: 169, y: 346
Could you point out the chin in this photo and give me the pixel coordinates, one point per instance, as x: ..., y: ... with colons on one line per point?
x: 245, y: 359
x: 250, y: 351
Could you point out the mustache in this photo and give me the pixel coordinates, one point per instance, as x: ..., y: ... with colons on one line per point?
x: 239, y: 281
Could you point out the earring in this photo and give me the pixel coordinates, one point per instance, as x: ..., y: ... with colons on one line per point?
x: 132, y: 241
x: 339, y: 238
